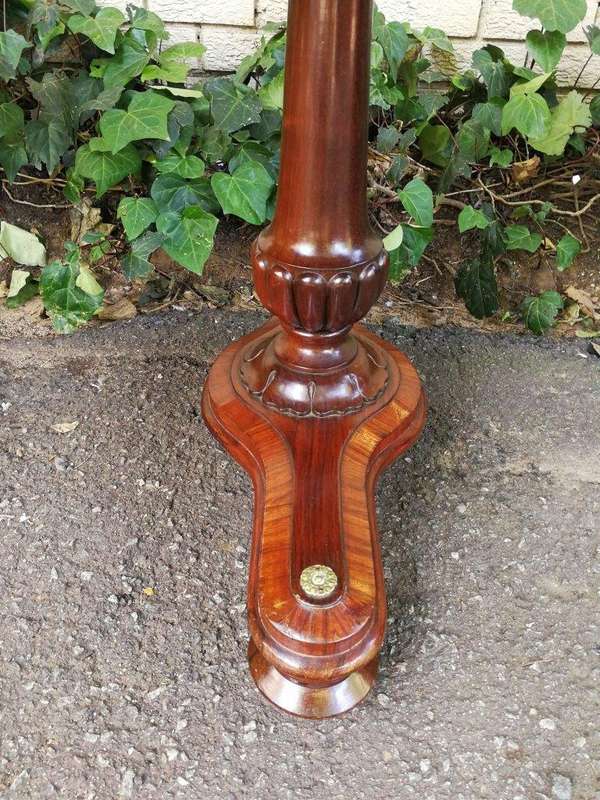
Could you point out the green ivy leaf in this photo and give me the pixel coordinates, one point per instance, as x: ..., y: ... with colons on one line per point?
x: 377, y: 55
x: 180, y: 127
x: 555, y: 15
x: 489, y: 115
x: 592, y: 34
x: 46, y: 34
x: 171, y: 192
x: 145, y: 20
x: 432, y: 102
x: 182, y: 51
x: 12, y: 119
x: 539, y: 313
x: 394, y: 41
x: 476, y: 283
x: 409, y: 253
x: 473, y: 141
x: 435, y: 142
x: 529, y: 86
x: 397, y: 170
x: 546, y: 48
x: 86, y: 280
x: 182, y: 165
x: 129, y: 61
x: 101, y: 29
x: 172, y: 62
x: 104, y: 168
x: 437, y: 38
x: 464, y: 82
x: 528, y: 113
x: 22, y: 288
x: 232, y: 106
x: 188, y: 236
x: 178, y: 91
x: 13, y: 156
x: 253, y: 151
x: 12, y: 45
x: 493, y: 72
x: 268, y: 127
x: 245, y: 192
x: 68, y: 305
x: 85, y: 7
x: 106, y: 99
x: 387, y: 139
x: 57, y: 95
x: 384, y: 93
x: 378, y: 21
x: 136, y: 214
x: 595, y: 110
x: 572, y: 114
x: 417, y: 199
x: 145, y: 118
x: 394, y: 239
x: 135, y: 263
x: 74, y: 186
x: 503, y: 158
x: 519, y: 237
x: 176, y: 72
x: 567, y: 250
x: 47, y: 140
x: 12, y: 153
x: 470, y: 218
x: 271, y: 94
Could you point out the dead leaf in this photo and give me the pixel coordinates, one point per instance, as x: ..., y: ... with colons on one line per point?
x: 524, y: 170
x: 595, y: 349
x: 35, y: 306
x: 105, y: 229
x: 148, y: 591
x: 214, y: 294
x: 3, y: 289
x: 86, y: 281
x: 17, y: 282
x: 584, y: 300
x: 122, y: 309
x: 21, y: 245
x: 587, y: 334
x: 84, y: 217
x: 571, y: 314
x: 64, y: 427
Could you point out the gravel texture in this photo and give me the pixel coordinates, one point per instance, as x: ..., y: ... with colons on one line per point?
x: 124, y: 560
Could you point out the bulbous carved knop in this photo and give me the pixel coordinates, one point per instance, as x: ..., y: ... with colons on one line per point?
x: 318, y: 301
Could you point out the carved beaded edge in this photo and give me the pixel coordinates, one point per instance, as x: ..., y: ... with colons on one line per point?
x: 312, y: 387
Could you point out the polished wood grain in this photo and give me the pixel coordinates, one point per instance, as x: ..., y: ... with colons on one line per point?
x: 312, y: 405
x: 314, y: 483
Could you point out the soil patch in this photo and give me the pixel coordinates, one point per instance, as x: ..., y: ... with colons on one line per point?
x: 425, y: 298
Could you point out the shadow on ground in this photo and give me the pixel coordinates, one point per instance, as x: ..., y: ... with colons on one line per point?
x: 124, y: 556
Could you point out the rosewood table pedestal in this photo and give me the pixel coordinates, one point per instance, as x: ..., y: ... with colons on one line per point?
x: 312, y: 405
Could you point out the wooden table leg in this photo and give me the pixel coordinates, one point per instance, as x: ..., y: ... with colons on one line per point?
x: 312, y: 405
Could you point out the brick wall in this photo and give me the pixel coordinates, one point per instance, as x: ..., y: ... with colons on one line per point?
x: 229, y: 28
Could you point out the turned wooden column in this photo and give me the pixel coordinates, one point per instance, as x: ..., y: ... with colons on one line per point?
x: 312, y: 405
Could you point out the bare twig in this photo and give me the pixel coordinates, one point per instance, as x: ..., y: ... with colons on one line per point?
x: 449, y: 201
x: 34, y: 205
x: 582, y: 70
x: 580, y: 220
x: 563, y: 212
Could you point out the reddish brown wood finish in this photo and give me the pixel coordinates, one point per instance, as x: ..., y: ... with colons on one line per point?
x: 312, y: 407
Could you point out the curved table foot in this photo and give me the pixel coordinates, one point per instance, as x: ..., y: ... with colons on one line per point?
x: 316, y: 597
